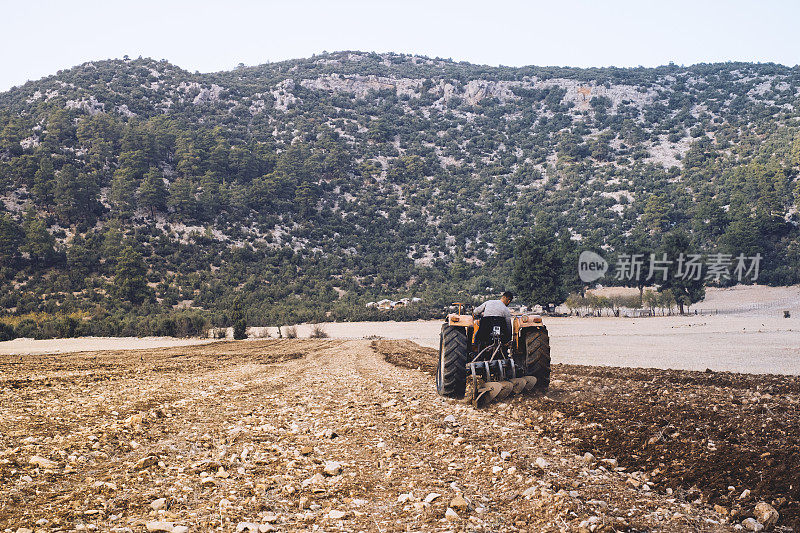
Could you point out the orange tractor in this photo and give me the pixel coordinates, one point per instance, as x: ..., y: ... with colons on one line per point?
x: 483, y: 367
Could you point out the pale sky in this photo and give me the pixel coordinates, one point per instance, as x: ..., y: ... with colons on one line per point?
x: 37, y: 37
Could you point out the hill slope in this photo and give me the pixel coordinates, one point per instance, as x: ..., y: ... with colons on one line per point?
x: 313, y: 185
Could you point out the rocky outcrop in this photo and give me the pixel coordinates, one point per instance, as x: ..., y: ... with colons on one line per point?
x: 208, y: 94
x: 90, y: 105
x: 361, y: 86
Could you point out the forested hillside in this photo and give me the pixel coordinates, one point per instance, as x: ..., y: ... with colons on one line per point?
x: 301, y: 190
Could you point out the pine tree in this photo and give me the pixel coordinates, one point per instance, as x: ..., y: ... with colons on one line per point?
x: 655, y: 216
x: 39, y: 244
x: 11, y: 136
x: 79, y: 262
x: 65, y: 195
x: 539, y: 270
x: 182, y: 199
x: 130, y: 279
x: 239, y: 321
x: 187, y: 156
x: 75, y: 195
x: 112, y: 246
x: 123, y: 192
x: 152, y: 193
x: 43, y: 182
x: 11, y: 238
x: 209, y: 196
x: 685, y: 289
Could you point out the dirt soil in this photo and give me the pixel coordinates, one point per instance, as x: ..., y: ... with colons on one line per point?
x: 307, y: 435
x: 708, y: 436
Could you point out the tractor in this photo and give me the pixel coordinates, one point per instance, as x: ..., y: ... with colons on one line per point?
x: 483, y: 367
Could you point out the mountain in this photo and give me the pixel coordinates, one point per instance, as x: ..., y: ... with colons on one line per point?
x: 306, y: 188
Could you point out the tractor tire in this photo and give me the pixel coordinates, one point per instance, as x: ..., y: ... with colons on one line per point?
x: 537, y: 356
x: 451, y: 373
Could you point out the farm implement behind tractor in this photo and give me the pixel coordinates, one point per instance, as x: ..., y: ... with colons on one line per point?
x: 487, y: 367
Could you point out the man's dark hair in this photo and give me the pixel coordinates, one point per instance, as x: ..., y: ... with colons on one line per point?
x: 508, y: 295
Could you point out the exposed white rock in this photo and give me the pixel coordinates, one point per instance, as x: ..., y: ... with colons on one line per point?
x: 43, y: 462
x: 208, y: 94
x: 751, y: 524
x: 158, y: 504
x: 332, y: 468
x: 360, y: 86
x: 159, y: 526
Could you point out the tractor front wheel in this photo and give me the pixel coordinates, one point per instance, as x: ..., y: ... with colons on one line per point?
x: 451, y: 373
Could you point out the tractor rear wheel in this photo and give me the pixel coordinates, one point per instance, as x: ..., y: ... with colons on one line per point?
x: 537, y: 356
x: 451, y: 373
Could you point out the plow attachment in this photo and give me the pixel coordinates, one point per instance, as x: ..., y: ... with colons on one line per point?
x: 497, y: 379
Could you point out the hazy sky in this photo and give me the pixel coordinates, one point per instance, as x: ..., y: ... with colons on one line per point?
x: 37, y: 38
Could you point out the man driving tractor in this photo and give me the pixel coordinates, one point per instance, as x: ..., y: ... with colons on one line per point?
x: 494, y: 313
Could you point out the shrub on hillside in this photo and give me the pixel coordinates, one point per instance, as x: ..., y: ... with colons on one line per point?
x: 7, y: 332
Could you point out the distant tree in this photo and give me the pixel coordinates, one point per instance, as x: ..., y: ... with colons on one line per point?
x: 539, y: 268
x: 685, y: 287
x: 655, y: 216
x: 210, y: 201
x: 61, y: 129
x: 380, y: 131
x: 305, y: 199
x: 75, y: 195
x: 7, y: 332
x: 634, y: 250
x: 459, y: 269
x: 130, y: 278
x: 335, y: 159
x: 182, y: 198
x: 597, y: 303
x: 295, y: 162
x: 79, y: 261
x: 123, y: 192
x: 239, y: 321
x: 39, y: 244
x: 10, y: 137
x: 188, y: 156
x: 665, y: 300
x: 599, y: 147
x: 11, y: 238
x: 112, y: 246
x: 709, y: 219
x: 152, y: 193
x: 43, y: 182
x: 218, y: 160
x: 743, y: 236
x: 650, y: 300
x: 575, y: 302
